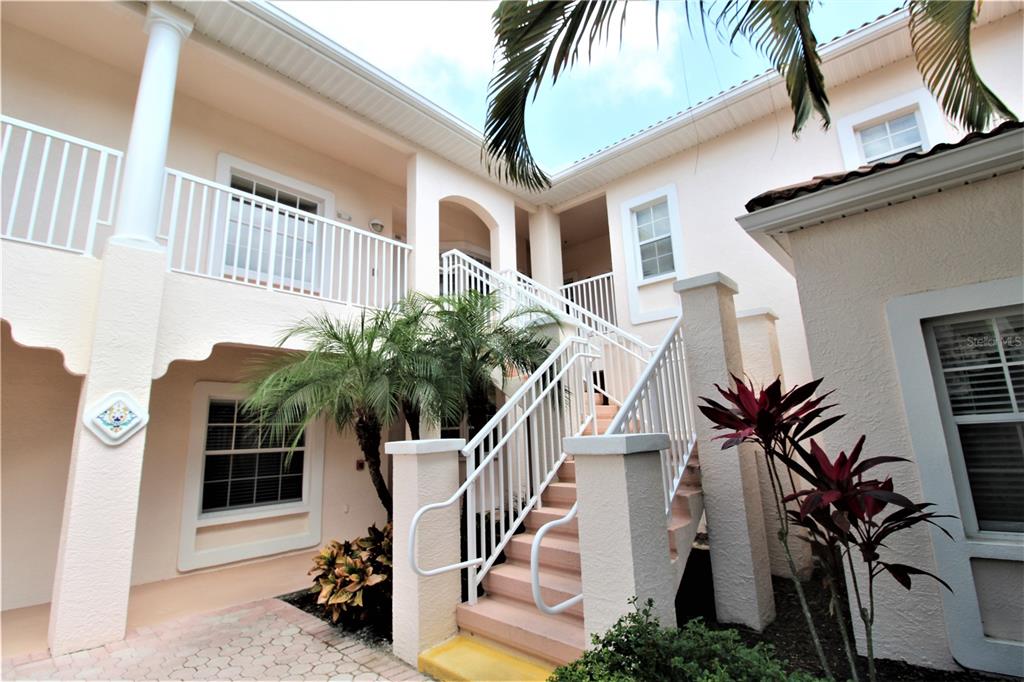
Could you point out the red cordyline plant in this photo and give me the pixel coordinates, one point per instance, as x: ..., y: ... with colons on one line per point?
x: 840, y: 511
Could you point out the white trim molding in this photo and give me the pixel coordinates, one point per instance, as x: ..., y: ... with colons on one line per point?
x: 226, y: 163
x: 930, y: 123
x: 631, y: 252
x: 190, y: 557
x: 906, y: 315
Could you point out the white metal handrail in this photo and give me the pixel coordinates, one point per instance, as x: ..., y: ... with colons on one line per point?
x: 596, y: 294
x: 660, y: 402
x: 216, y: 231
x: 514, y: 457
x: 538, y: 597
x: 58, y: 190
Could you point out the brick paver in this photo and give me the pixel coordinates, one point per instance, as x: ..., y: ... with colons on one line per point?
x: 265, y: 640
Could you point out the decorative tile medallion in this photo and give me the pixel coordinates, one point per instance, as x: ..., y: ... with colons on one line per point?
x: 115, y: 418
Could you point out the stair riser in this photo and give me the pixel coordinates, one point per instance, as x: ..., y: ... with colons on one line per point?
x: 559, y: 496
x: 567, y: 472
x: 549, y: 556
x: 521, y: 590
x: 520, y: 636
x: 538, y: 517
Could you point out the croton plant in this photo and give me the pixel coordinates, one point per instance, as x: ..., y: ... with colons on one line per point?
x: 354, y: 577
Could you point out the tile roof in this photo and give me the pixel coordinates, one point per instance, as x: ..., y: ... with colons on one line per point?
x: 783, y: 194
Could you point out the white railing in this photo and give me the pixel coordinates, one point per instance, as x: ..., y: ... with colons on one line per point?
x: 661, y: 403
x: 215, y: 231
x: 621, y: 355
x: 58, y: 191
x: 515, y: 456
x: 538, y: 596
x: 596, y: 294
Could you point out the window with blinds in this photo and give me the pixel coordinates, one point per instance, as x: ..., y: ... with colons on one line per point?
x: 979, y: 364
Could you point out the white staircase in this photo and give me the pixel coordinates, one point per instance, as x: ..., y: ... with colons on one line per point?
x: 519, y: 495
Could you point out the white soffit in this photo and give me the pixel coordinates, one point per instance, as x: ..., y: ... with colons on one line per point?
x: 272, y: 38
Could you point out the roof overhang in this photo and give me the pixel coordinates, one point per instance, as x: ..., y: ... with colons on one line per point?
x: 957, y: 166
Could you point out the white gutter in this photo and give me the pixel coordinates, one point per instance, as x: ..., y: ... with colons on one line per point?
x: 951, y: 168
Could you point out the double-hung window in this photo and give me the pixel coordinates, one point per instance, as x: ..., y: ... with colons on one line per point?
x: 978, y: 361
x: 247, y: 464
x: 890, y: 139
x: 654, y: 239
x: 257, y: 252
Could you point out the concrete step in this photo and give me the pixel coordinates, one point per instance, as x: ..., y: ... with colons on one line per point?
x: 512, y: 580
x: 469, y: 659
x: 567, y: 472
x: 538, y: 517
x: 606, y: 411
x: 559, y: 639
x: 561, y: 552
x: 560, y: 494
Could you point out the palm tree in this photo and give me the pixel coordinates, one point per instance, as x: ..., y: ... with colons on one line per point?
x: 355, y: 374
x: 535, y: 38
x: 476, y: 337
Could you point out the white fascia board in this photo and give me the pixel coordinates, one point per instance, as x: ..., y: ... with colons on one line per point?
x: 958, y: 166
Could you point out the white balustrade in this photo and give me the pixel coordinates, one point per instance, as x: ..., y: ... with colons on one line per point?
x: 215, y: 231
x: 58, y: 191
x: 596, y: 294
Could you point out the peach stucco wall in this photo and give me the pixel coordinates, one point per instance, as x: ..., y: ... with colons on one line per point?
x: 38, y: 399
x: 716, y: 178
x: 847, y: 271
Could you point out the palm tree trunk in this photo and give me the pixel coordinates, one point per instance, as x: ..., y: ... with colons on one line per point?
x: 412, y: 418
x: 368, y: 435
x: 477, y: 408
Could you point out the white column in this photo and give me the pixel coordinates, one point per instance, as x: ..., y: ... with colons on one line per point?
x: 423, y: 609
x: 624, y: 549
x: 546, y: 248
x: 138, y: 211
x: 732, y: 496
x: 422, y: 216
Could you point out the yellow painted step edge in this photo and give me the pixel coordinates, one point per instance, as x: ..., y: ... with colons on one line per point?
x: 464, y: 659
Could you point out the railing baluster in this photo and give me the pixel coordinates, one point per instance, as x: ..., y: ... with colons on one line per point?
x: 19, y: 179
x: 101, y: 175
x: 76, y: 199
x: 58, y: 192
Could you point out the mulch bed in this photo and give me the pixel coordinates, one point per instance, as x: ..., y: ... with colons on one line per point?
x: 788, y: 633
x: 376, y: 632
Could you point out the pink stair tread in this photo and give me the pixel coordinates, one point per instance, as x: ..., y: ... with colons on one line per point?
x: 559, y: 639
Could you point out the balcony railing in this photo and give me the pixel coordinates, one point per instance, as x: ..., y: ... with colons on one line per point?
x: 596, y: 294
x: 60, y: 191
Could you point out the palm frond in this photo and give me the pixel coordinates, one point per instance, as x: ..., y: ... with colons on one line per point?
x: 534, y: 38
x: 940, y: 32
x: 781, y: 30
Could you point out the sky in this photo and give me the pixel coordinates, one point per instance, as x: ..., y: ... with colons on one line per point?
x: 443, y: 50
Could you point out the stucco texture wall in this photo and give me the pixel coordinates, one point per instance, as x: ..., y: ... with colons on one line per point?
x: 847, y: 271
x: 39, y: 402
x: 349, y: 502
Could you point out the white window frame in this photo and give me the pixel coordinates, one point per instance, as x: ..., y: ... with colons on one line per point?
x: 228, y: 165
x: 894, y: 152
x: 631, y: 248
x: 921, y: 400
x: 193, y: 517
x: 931, y: 123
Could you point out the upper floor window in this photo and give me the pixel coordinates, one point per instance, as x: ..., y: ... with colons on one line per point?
x: 890, y: 139
x: 654, y: 239
x: 978, y: 360
x: 244, y: 464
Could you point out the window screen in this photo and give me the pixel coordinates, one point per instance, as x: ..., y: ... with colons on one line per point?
x: 654, y: 237
x: 980, y: 361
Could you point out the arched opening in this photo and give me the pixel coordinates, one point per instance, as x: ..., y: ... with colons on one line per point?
x: 467, y: 227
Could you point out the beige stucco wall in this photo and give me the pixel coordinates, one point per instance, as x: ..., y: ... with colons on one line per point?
x: 349, y: 502
x: 847, y: 271
x: 714, y: 180
x: 39, y: 400
x: 587, y: 259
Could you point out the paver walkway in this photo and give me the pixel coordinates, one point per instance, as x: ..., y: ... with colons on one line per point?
x: 264, y: 640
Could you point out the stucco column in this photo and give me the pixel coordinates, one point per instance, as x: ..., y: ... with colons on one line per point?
x: 139, y: 208
x: 423, y: 609
x: 762, y: 362
x: 546, y: 248
x: 423, y: 225
x: 89, y: 606
x: 732, y: 496
x: 623, y: 531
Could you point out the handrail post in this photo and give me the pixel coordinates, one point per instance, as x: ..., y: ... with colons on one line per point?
x: 423, y: 608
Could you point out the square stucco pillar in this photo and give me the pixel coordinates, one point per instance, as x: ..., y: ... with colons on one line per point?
x: 732, y: 495
x: 423, y: 227
x: 762, y: 362
x: 622, y: 526
x: 423, y: 608
x: 546, y: 248
x: 89, y: 606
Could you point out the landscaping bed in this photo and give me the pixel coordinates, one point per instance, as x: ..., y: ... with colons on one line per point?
x: 377, y: 632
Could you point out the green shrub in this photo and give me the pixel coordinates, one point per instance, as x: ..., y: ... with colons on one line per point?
x: 353, y: 578
x: 638, y: 649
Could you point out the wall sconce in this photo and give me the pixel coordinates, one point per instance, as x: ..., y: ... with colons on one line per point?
x: 377, y: 225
